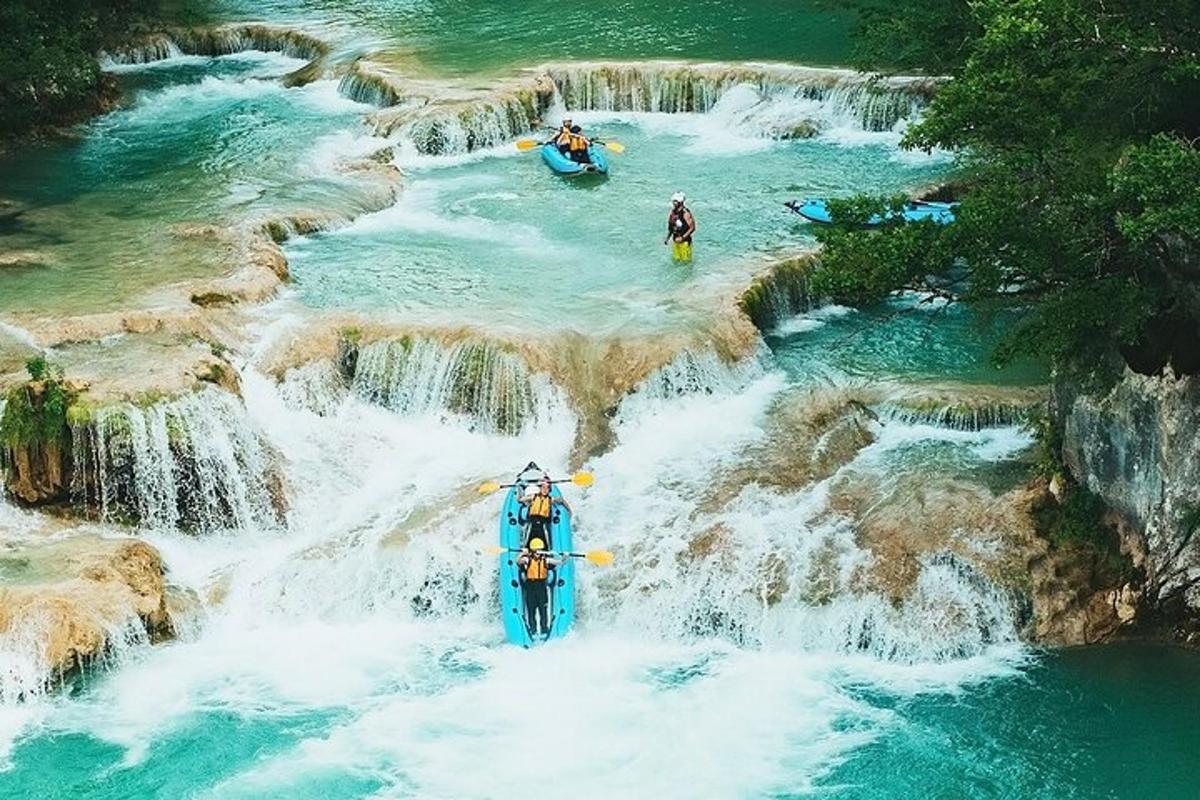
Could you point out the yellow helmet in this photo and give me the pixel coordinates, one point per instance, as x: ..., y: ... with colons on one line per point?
x: 537, y: 544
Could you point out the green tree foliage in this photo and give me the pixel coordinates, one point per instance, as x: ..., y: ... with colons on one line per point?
x: 1076, y: 124
x: 48, y: 69
x: 928, y: 36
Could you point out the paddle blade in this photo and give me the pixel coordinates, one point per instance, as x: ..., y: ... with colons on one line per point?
x: 489, y: 487
x: 584, y: 479
x: 494, y: 550
x: 525, y: 145
x: 616, y: 147
x: 601, y: 558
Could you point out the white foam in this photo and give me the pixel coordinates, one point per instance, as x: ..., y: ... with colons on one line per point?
x: 332, y: 150
x: 811, y: 320
x: 418, y: 209
x: 323, y: 96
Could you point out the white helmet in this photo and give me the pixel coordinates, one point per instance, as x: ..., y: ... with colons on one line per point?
x: 678, y: 197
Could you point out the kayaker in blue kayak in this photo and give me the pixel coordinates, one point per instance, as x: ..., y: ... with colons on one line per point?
x: 681, y: 225
x: 535, y: 566
x: 540, y: 505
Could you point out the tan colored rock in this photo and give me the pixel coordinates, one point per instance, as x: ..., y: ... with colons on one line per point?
x: 70, y: 600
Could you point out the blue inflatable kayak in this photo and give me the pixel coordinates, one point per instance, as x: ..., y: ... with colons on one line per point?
x: 565, y: 166
x: 817, y: 210
x: 561, y: 580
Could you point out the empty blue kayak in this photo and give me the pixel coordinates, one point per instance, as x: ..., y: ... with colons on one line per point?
x: 817, y: 210
x: 565, y: 166
x: 561, y: 580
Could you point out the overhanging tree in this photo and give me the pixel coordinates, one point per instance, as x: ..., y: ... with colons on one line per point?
x: 1075, y: 121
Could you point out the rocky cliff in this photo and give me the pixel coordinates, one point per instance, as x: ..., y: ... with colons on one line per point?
x: 1138, y: 447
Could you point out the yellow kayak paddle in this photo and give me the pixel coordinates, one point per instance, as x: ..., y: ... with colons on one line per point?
x: 601, y: 558
x: 525, y: 145
x: 581, y: 479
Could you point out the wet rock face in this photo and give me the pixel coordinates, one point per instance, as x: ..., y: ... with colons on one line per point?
x: 1138, y: 447
x: 187, y: 461
x: 35, y: 441
x: 69, y: 603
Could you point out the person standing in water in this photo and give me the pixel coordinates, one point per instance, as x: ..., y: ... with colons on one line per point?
x: 681, y: 225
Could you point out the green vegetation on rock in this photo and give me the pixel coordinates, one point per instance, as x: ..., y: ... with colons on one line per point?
x: 48, y: 69
x: 1077, y: 125
x: 36, y: 413
x: 782, y: 291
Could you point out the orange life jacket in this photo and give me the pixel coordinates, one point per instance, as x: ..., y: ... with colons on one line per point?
x: 536, y: 570
x: 539, y: 506
x: 563, y: 137
x: 577, y: 142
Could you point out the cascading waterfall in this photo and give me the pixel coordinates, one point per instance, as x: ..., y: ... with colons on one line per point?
x: 194, y: 463
x: 764, y: 566
x: 366, y: 86
x: 816, y: 553
x: 958, y: 416
x: 770, y: 102
x: 780, y: 293
x: 452, y: 128
x: 821, y: 97
x: 479, y: 381
x: 697, y: 372
x: 487, y: 123
x: 221, y: 41
x: 149, y: 50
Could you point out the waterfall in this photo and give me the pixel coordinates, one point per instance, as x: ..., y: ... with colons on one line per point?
x: 476, y: 126
x: 451, y: 128
x: 153, y: 48
x: 692, y: 372
x: 779, y: 293
x: 364, y: 85
x: 219, y: 41
x: 193, y: 463
x: 827, y: 97
x: 966, y: 416
x: 318, y: 387
x: 479, y: 381
x: 713, y: 554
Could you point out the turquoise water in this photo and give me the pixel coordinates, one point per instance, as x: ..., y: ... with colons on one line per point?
x: 734, y: 649
x: 912, y: 338
x: 199, y: 142
x: 465, y: 37
x: 501, y: 238
x: 1111, y: 722
x: 1114, y: 722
